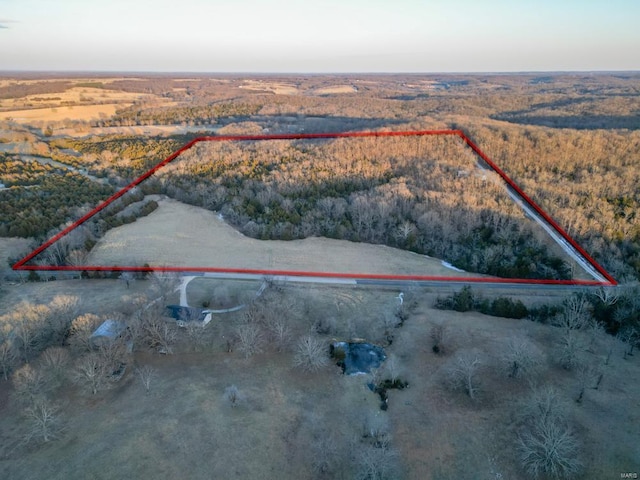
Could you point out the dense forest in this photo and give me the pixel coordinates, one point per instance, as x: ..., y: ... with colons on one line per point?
x: 43, y: 197
x: 425, y: 194
x: 584, y: 174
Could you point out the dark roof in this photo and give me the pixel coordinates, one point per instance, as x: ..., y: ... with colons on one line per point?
x: 186, y: 314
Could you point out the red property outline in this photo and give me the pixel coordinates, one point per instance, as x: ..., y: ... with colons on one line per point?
x: 21, y: 265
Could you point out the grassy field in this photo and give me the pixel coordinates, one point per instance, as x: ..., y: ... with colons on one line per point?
x: 182, y: 235
x: 82, y: 103
x: 184, y: 428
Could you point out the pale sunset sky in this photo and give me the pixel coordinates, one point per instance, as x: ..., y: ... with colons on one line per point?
x: 317, y: 36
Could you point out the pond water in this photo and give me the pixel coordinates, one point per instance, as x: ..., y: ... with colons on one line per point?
x: 357, y: 358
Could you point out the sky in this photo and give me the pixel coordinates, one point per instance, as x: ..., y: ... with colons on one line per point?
x: 320, y: 36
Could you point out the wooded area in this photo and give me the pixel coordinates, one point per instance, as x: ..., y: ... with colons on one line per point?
x: 585, y: 177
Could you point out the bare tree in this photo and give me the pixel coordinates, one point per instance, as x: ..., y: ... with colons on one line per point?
x: 146, y: 373
x: 54, y: 362
x: 279, y: 332
x: 571, y: 345
x: 392, y: 368
x: 545, y: 442
x: 576, y: 314
x: 542, y: 404
x: 549, y: 448
x: 387, y: 323
x: 196, y: 336
x: 249, y: 339
x: 310, y: 354
x: 164, y: 283
x: 326, y: 454
x: 81, y: 329
x: 462, y: 373
x: 8, y: 358
x: 30, y: 328
x: 376, y: 462
x: 233, y: 396
x: 92, y: 373
x: 629, y: 337
x: 112, y: 354
x: 587, y: 376
x: 43, y: 421
x: 64, y: 309
x: 607, y: 295
x: 77, y: 257
x: 155, y: 331
x: 521, y: 358
x: 404, y: 232
x: 29, y: 384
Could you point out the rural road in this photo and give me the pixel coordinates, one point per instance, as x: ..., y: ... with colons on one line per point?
x: 376, y: 282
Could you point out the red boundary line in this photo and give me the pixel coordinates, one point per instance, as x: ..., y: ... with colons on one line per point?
x: 20, y: 265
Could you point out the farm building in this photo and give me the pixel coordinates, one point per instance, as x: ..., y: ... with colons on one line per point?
x: 107, y: 332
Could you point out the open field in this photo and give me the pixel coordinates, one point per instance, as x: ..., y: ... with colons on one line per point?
x: 274, y: 87
x: 182, y: 235
x: 54, y: 114
x: 336, y: 89
x: 75, y: 95
x: 79, y: 103
x: 185, y: 428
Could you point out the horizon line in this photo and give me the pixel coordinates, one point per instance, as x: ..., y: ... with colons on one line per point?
x: 292, y: 72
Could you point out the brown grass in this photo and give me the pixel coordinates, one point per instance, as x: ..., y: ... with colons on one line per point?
x: 53, y: 114
x: 184, y: 428
x: 182, y: 235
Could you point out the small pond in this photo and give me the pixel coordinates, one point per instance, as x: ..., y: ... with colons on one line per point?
x: 357, y: 358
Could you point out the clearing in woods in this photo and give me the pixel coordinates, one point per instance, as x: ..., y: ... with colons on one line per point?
x: 183, y: 235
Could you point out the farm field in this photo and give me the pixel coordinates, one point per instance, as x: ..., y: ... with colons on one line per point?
x: 77, y: 100
x: 182, y: 235
x: 54, y: 114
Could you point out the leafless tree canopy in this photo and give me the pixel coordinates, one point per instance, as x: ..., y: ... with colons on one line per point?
x: 549, y: 448
x: 8, y: 357
x: 30, y: 385
x: 311, y: 354
x: 64, y: 308
x: 546, y: 444
x: 54, y: 362
x: 157, y: 333
x: 233, y: 396
x: 521, y: 358
x: 249, y: 339
x: 146, y: 373
x: 93, y: 373
x: 571, y: 348
x: 80, y: 332
x: 44, y: 422
x: 576, y: 314
x: 462, y: 373
x: 164, y: 283
x: 392, y: 367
